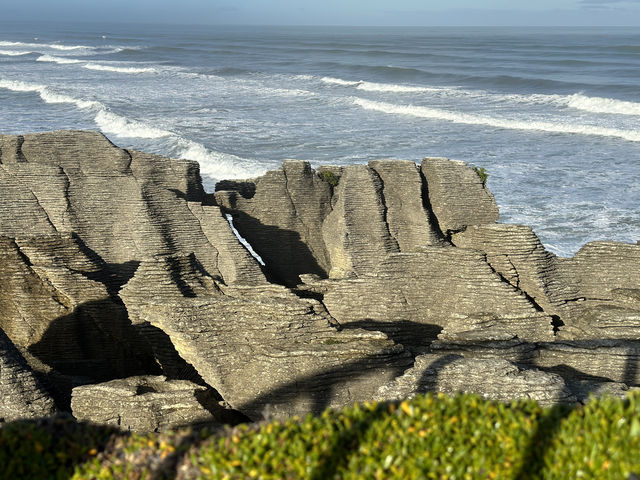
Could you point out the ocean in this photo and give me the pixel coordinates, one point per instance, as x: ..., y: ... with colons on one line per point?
x: 552, y: 114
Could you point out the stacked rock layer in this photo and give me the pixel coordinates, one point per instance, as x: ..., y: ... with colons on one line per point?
x: 123, y: 287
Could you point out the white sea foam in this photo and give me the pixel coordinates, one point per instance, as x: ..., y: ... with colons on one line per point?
x: 471, y: 119
x: 13, y: 53
x: 389, y: 87
x: 110, y: 68
x: 602, y: 105
x: 217, y: 165
x: 115, y: 124
x: 339, y: 81
x: 54, y: 59
x: 48, y: 95
x: 577, y: 101
x: 53, y: 46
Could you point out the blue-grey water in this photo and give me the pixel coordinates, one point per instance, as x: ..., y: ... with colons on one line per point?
x: 552, y: 114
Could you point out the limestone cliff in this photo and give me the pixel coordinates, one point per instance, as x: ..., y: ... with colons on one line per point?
x: 122, y: 281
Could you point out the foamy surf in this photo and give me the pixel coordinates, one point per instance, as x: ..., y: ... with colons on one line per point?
x: 47, y: 95
x: 53, y: 46
x: 111, y: 68
x: 577, y: 101
x: 602, y: 105
x: 392, y: 88
x: 471, y: 119
x: 14, y: 53
x: 339, y: 81
x: 216, y: 165
x: 120, y: 126
x: 54, y: 59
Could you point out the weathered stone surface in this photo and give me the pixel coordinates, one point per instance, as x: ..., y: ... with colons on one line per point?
x: 21, y: 394
x: 77, y: 215
x: 403, y: 191
x: 598, y: 360
x: 116, y: 263
x: 492, y: 378
x: 439, y: 287
x: 124, y: 205
x: 457, y: 195
x: 585, y: 389
x: 146, y: 404
x: 515, y: 252
x: 261, y: 347
x: 280, y: 215
x: 52, y: 308
x: 356, y: 231
x: 300, y: 224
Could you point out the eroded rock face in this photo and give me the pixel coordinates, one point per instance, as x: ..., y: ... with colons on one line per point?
x: 457, y: 195
x: 281, y: 214
x: 265, y: 350
x: 146, y: 404
x: 116, y: 267
x: 493, y: 378
x: 21, y: 394
x: 438, y: 288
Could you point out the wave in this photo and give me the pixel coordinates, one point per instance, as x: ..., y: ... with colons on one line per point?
x: 217, y: 165
x: 393, y: 88
x: 576, y: 101
x: 54, y: 46
x: 47, y: 95
x: 109, y: 68
x: 339, y: 81
x: 107, y: 121
x: 115, y: 124
x: 14, y: 53
x: 61, y: 60
x: 471, y: 119
x: 601, y: 105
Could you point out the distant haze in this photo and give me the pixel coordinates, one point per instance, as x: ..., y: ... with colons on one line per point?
x: 333, y: 12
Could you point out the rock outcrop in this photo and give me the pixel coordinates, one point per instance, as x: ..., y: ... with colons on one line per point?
x: 147, y: 404
x: 121, y: 279
x: 262, y: 348
x: 21, y: 394
x: 493, y: 378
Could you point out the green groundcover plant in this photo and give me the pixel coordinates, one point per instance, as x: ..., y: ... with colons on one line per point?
x: 431, y: 436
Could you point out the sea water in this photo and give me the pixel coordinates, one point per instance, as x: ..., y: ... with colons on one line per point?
x: 552, y: 114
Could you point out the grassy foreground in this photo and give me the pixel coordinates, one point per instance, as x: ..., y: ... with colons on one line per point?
x: 462, y: 437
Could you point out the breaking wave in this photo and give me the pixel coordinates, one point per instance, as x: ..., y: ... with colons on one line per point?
x: 110, y: 68
x: 576, y: 101
x: 601, y: 105
x: 54, y: 46
x: 13, y: 53
x: 214, y: 165
x: 115, y: 124
x: 47, y: 95
x: 471, y: 119
x: 217, y: 165
x: 54, y: 59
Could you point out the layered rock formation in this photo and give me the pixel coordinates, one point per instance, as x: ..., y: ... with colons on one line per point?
x: 147, y: 404
x: 379, y: 281
x: 22, y: 395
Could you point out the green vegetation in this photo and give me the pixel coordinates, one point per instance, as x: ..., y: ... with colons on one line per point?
x: 482, y: 173
x: 462, y: 437
x: 49, y: 448
x: 328, y: 177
